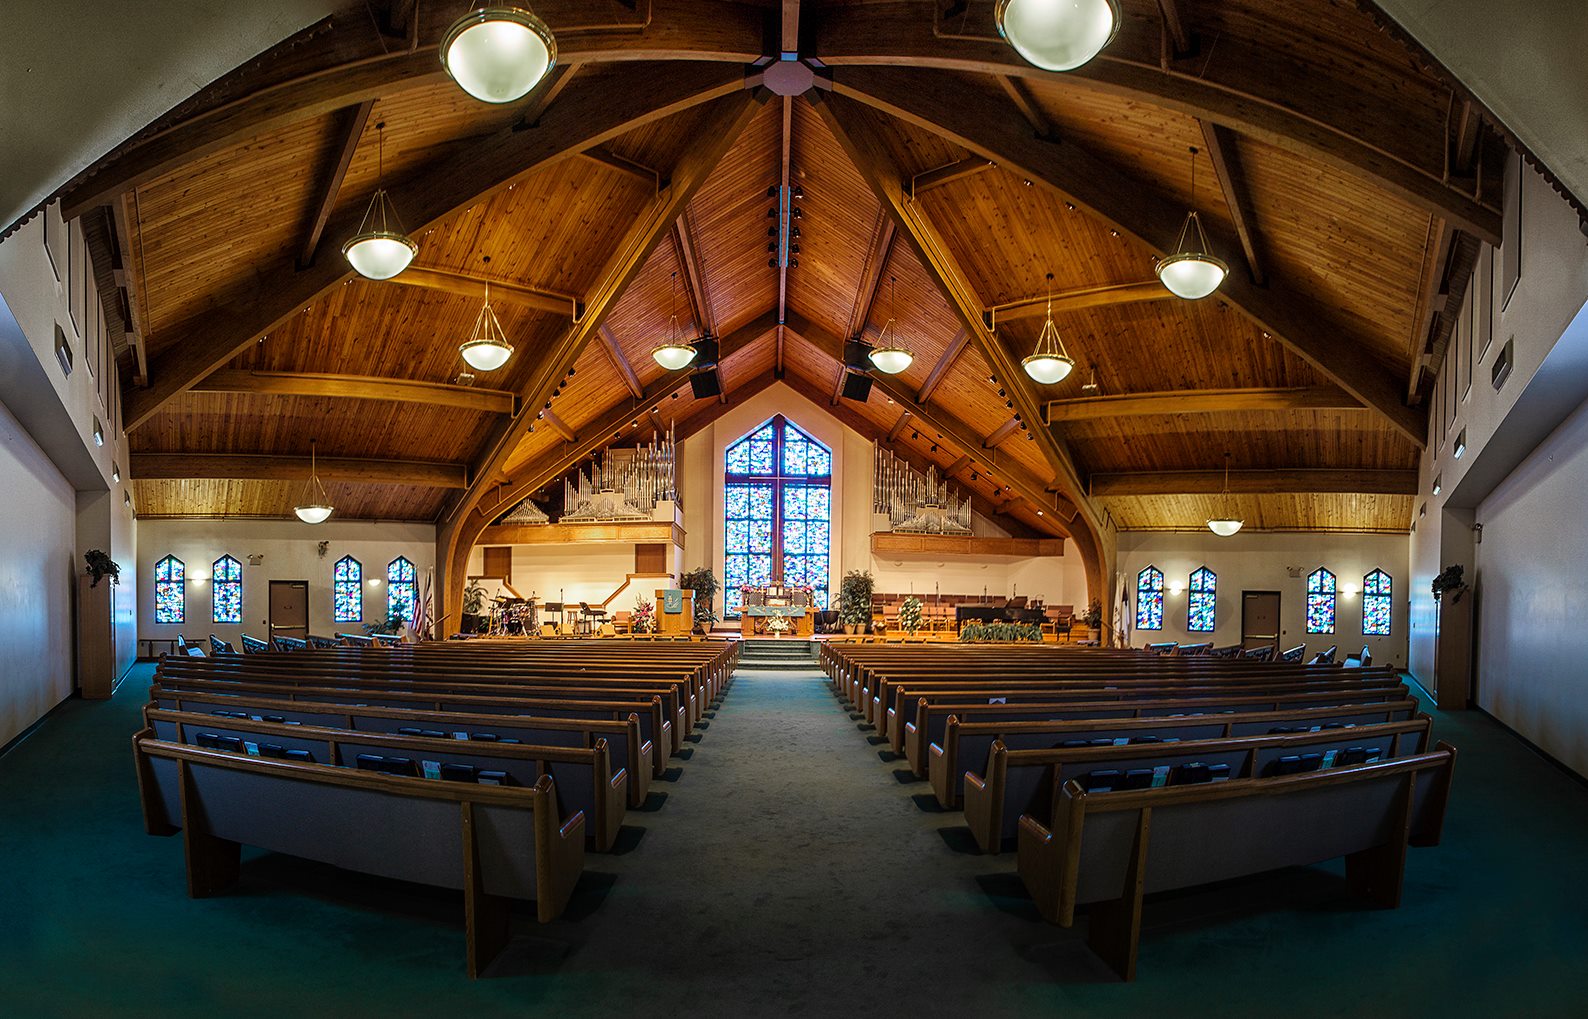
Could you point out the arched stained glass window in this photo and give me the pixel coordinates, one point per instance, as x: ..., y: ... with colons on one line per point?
x: 777, y: 496
x: 1320, y: 601
x: 1202, y: 608
x: 227, y: 590
x: 1149, y: 599
x: 347, y: 590
x: 402, y: 589
x: 1376, y: 591
x: 170, y: 590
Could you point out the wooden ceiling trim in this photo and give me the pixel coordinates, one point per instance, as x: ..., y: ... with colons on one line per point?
x: 356, y: 387
x: 1220, y: 143
x: 1080, y: 298
x: 470, y: 285
x: 352, y: 130
x: 1303, y: 121
x: 971, y: 120
x: 619, y: 362
x: 585, y: 116
x: 256, y: 467
x: 944, y: 363
x: 1200, y: 401
x: 1448, y: 261
x: 1258, y: 482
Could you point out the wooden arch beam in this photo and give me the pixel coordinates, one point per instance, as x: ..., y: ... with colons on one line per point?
x: 1269, y: 481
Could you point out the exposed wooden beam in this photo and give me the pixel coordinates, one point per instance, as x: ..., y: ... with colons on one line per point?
x: 694, y: 279
x: 1174, y: 27
x: 947, y: 174
x: 131, y: 261
x: 1288, y: 313
x: 473, y: 286
x: 1015, y: 89
x: 611, y: 160
x: 621, y: 363
x: 1036, y: 306
x: 331, y: 188
x: 838, y: 383
x: 1220, y: 143
x: 1464, y: 146
x: 885, y: 544
x: 951, y: 353
x: 556, y: 424
x: 898, y: 426
x: 957, y: 466
x: 356, y: 387
x: 790, y: 27
x: 1200, y: 401
x: 547, y: 92
x: 785, y: 157
x: 1320, y: 123
x: 877, y: 255
x: 1001, y: 433
x: 638, y: 532
x: 585, y: 116
x: 1257, y: 482
x: 655, y: 419
x: 712, y: 410
x: 338, y: 470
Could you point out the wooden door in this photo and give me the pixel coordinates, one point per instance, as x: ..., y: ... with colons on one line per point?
x: 1260, y: 619
x: 289, y: 608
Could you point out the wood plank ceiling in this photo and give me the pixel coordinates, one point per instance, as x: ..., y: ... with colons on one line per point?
x: 1331, y: 180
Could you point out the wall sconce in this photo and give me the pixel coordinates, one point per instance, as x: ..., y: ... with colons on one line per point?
x: 115, y: 474
x: 99, y: 433
x: 374, y: 582
x: 1349, y: 590
x: 1176, y: 588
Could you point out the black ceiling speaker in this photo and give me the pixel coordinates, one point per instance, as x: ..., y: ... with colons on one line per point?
x: 857, y: 355
x: 707, y: 351
x: 705, y: 384
x: 856, y: 386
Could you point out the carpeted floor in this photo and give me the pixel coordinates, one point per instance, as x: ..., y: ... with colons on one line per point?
x: 788, y: 872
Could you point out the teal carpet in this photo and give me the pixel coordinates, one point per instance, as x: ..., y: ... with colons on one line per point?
x: 788, y: 872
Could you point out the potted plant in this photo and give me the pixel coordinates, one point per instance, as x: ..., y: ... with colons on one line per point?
x: 473, y: 601
x: 101, y: 566
x: 854, y: 609
x: 1094, y: 614
x: 393, y: 624
x: 910, y: 615
x: 704, y: 583
x: 1452, y: 581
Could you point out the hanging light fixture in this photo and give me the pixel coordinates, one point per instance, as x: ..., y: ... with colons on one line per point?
x: 498, y: 54
x: 674, y: 352
x: 380, y: 249
x: 889, y: 355
x: 1226, y: 525
x: 1191, y: 272
x: 487, y: 348
x: 1057, y: 35
x: 1050, y: 363
x: 315, y: 506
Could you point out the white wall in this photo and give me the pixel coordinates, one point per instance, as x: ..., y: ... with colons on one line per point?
x: 1056, y: 580
x: 1257, y: 562
x: 570, y: 573
x: 291, y: 552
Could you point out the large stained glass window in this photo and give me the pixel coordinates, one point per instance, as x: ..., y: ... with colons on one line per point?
x: 227, y: 588
x: 347, y: 590
x: 777, y: 526
x: 402, y: 589
x: 1149, y: 599
x: 1320, y: 601
x: 170, y: 590
x: 1376, y: 604
x: 1202, y: 608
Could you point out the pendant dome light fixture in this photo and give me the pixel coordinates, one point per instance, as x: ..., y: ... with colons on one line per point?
x: 314, y: 507
x: 890, y: 355
x: 487, y: 348
x: 674, y: 352
x: 498, y: 54
x: 1228, y: 524
x: 1057, y: 35
x: 1191, y: 272
x: 1050, y: 363
x: 380, y: 249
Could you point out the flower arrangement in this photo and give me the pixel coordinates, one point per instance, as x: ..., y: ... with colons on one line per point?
x: 643, y: 619
x: 999, y: 633
x: 777, y: 625
x: 910, y: 615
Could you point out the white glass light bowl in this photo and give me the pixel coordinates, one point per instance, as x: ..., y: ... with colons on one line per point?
x: 1048, y: 369
x: 673, y: 356
x: 1058, y: 35
x: 1192, y: 275
x: 498, y: 54
x: 380, y: 254
x: 486, y: 355
x: 891, y: 360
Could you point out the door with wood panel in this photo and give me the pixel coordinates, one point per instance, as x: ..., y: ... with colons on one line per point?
x: 1260, y: 619
x: 289, y: 608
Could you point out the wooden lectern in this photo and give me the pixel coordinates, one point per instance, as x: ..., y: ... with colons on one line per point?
x: 681, y: 622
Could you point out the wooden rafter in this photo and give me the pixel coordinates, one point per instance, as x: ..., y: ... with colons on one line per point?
x: 1113, y: 294
x: 789, y: 34
x: 585, y: 116
x: 470, y: 285
x: 957, y: 466
x: 694, y: 280
x: 1287, y: 313
x: 1015, y: 89
x: 877, y: 255
x: 951, y: 353
x: 131, y: 283
x: 1272, y: 481
x: 1174, y: 27
x: 615, y: 354
x: 1200, y: 401
x: 948, y: 174
x: 651, y: 177
x: 1001, y: 434
x: 898, y: 426
x: 547, y: 92
x: 338, y: 470
x: 356, y: 387
x: 354, y: 120
x: 1220, y: 143
x: 785, y: 158
x: 557, y: 425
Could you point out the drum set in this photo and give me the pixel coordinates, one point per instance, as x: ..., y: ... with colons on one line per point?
x: 514, y: 617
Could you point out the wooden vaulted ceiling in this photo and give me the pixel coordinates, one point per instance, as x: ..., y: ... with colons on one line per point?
x: 942, y: 178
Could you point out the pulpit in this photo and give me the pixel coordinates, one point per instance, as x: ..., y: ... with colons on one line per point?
x: 675, y: 610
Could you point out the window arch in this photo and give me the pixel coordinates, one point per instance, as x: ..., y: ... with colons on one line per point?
x: 1202, y: 607
x: 347, y: 591
x: 1320, y: 601
x: 402, y: 589
x: 1376, y: 590
x: 777, y: 498
x: 170, y: 591
x: 1149, y: 599
x: 226, y: 590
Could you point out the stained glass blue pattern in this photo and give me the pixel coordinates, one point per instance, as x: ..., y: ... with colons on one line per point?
x: 1320, y: 601
x: 777, y: 513
x: 347, y: 590
x: 170, y: 590
x: 1149, y: 599
x: 1376, y: 591
x: 228, y: 590
x: 1202, y: 607
x: 402, y: 589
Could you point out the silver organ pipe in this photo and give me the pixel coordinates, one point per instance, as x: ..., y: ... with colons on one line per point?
x: 917, y: 503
